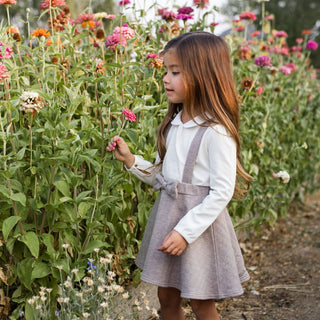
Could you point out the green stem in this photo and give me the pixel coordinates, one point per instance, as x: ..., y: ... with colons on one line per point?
x: 8, y: 14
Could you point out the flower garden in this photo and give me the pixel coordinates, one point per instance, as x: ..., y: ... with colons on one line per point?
x: 67, y: 89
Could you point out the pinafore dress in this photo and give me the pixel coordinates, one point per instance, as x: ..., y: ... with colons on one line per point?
x: 212, y: 266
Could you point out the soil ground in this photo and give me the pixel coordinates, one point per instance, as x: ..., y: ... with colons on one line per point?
x: 284, y: 265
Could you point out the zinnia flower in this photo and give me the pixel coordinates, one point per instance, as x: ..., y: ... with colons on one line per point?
x: 129, y: 115
x: 288, y: 68
x: 306, y: 32
x: 169, y: 15
x: 283, y: 175
x: 240, y: 28
x: 270, y: 17
x: 255, y: 33
x: 45, y: 4
x: 248, y: 15
x: 185, y: 10
x: 8, y: 2
x: 246, y: 83
x: 3, y: 72
x: 201, y: 3
x: 124, y: 2
x: 311, y: 45
x: 125, y: 31
x: 259, y: 90
x: 263, y: 61
x: 113, y: 41
x: 244, y: 53
x: 280, y: 34
x: 183, y: 16
x: 41, y: 32
x: 30, y: 102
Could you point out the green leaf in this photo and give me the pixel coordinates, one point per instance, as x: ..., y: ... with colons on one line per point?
x: 5, y: 191
x: 20, y: 197
x: 63, y: 187
x: 83, y: 208
x: 95, y: 244
x: 24, y: 271
x: 29, y: 312
x: 40, y: 270
x: 30, y: 239
x: 8, y: 225
x: 20, y: 154
x: 48, y: 240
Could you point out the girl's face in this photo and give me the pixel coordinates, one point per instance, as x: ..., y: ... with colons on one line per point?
x: 173, y: 80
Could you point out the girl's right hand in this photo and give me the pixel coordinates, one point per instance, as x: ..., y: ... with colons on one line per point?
x: 121, y: 151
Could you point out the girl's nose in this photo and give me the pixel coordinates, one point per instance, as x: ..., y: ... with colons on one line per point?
x: 165, y: 78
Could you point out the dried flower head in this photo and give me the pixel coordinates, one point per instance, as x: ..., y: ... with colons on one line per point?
x: 55, y: 60
x: 30, y: 102
x: 100, y: 34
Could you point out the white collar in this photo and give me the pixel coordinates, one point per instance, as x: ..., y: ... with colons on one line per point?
x: 189, y: 124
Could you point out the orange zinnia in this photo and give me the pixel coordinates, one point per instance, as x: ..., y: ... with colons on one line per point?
x: 40, y: 33
x: 306, y: 32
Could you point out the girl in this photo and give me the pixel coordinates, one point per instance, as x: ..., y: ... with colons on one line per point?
x: 189, y: 249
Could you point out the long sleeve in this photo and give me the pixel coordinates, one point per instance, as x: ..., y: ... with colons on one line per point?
x: 144, y: 170
x: 221, y: 150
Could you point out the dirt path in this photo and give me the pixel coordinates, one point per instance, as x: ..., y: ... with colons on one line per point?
x: 284, y: 264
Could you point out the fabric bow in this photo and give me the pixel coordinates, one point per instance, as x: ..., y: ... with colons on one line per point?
x: 170, y: 186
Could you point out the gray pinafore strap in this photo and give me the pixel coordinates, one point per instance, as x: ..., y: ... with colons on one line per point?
x: 192, y: 155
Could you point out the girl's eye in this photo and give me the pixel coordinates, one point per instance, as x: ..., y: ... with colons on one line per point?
x: 175, y: 73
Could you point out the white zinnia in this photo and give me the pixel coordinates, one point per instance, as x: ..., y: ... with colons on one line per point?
x: 30, y: 102
x: 284, y: 176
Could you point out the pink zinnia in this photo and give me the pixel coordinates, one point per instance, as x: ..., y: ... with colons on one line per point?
x: 3, y: 71
x: 183, y: 16
x: 129, y: 115
x: 248, y: 15
x: 8, y: 2
x: 113, y: 41
x: 240, y: 28
x: 185, y: 10
x: 259, y: 90
x: 311, y: 45
x: 255, y: 33
x: 286, y: 70
x: 270, y: 17
x: 45, y: 4
x: 124, y: 2
x: 126, y: 32
x: 214, y: 24
x: 169, y: 15
x: 280, y: 34
x: 201, y: 3
x: 263, y: 61
x: 295, y: 48
x: 152, y: 56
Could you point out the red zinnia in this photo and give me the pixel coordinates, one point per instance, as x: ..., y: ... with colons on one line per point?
x: 248, y: 15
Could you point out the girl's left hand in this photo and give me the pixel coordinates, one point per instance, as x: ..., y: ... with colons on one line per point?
x: 173, y: 244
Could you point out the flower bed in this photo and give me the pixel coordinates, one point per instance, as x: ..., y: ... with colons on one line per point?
x: 66, y: 90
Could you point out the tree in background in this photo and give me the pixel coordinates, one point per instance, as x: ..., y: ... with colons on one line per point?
x: 292, y: 16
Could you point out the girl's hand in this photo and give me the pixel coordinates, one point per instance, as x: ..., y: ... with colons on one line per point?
x: 173, y: 244
x: 121, y: 151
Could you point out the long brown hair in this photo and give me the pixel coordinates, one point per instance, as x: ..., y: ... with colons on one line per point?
x: 210, y: 91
